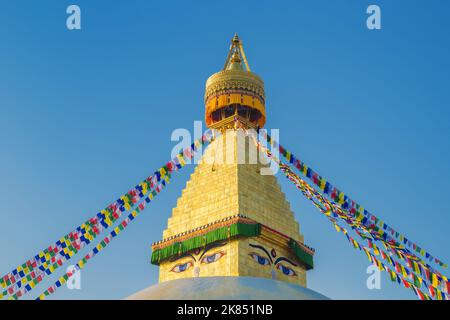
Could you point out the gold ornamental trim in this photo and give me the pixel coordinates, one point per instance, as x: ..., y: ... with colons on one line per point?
x: 234, y: 79
x: 201, y: 230
x: 267, y: 233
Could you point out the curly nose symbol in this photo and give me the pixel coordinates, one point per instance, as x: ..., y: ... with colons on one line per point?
x: 274, y: 275
x: 197, y: 271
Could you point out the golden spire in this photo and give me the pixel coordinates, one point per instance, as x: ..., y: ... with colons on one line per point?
x: 236, y: 53
x: 235, y: 91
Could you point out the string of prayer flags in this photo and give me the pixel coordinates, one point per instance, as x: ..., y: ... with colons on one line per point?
x: 49, y: 259
x: 394, y: 275
x: 102, y: 245
x: 346, y: 203
x: 332, y: 212
x: 322, y: 204
x: 354, y: 220
x: 357, y: 221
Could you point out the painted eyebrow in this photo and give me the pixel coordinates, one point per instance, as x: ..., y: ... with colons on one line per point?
x: 183, y: 256
x: 263, y: 249
x: 285, y: 259
x: 212, y: 246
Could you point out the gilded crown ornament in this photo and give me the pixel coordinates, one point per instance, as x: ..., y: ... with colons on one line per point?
x: 235, y: 91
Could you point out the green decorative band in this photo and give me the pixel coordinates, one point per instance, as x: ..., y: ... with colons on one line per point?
x: 301, y: 254
x: 221, y: 233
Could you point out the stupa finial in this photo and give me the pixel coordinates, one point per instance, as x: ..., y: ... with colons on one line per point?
x: 235, y: 92
x: 236, y: 53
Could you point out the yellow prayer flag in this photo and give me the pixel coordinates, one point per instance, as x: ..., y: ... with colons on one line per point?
x: 389, y: 259
x: 181, y: 160
x: 368, y: 254
x: 393, y: 274
x: 434, y: 279
x: 322, y: 184
x: 405, y: 275
x: 375, y: 249
x: 379, y: 264
x: 341, y: 198
x: 416, y: 267
x: 144, y: 188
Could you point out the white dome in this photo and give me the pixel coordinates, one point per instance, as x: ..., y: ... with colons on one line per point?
x: 226, y: 288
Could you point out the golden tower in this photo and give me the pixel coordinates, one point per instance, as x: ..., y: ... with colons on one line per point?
x: 231, y: 220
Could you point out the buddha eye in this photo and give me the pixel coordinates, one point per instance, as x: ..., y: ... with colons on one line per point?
x: 213, y: 257
x: 261, y: 260
x: 286, y: 270
x: 182, y: 267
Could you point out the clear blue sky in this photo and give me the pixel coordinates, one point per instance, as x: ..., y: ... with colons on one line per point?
x: 87, y: 114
